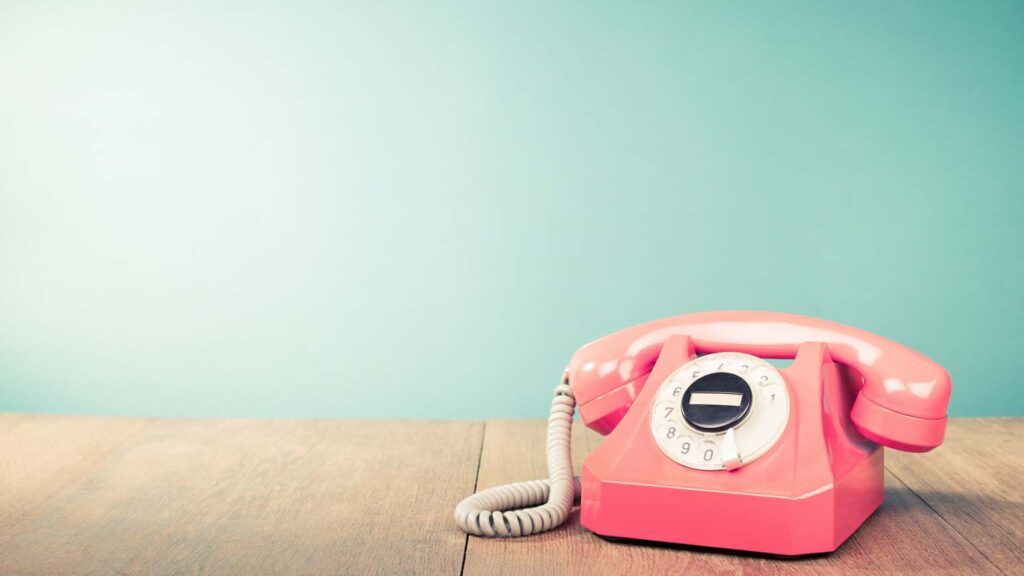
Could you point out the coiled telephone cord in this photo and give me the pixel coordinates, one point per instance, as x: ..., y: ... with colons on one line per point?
x: 525, y: 508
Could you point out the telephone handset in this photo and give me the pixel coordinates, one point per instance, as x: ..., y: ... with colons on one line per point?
x: 708, y: 444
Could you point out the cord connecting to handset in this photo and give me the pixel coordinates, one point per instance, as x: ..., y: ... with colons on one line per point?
x: 525, y: 508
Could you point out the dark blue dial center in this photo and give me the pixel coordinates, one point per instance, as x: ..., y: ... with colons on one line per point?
x: 716, y: 402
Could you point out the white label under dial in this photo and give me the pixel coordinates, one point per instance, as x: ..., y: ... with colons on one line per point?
x: 753, y: 436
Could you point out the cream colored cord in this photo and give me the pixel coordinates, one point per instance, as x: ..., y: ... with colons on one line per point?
x: 525, y: 508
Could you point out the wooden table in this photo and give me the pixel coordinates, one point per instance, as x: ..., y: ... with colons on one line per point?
x: 146, y: 496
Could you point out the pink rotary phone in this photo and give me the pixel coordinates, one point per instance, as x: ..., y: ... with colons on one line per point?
x: 710, y: 445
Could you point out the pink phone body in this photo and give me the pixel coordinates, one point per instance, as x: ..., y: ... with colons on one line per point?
x: 850, y: 391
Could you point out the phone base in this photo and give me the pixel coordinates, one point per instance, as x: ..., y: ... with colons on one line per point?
x: 806, y: 495
x: 814, y: 523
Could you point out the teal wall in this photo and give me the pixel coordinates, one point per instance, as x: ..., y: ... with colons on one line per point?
x: 421, y: 210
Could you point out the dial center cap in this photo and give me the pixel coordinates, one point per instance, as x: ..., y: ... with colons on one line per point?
x: 716, y: 402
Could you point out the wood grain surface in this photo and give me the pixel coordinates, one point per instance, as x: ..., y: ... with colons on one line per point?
x: 975, y: 482
x: 234, y: 496
x: 146, y: 496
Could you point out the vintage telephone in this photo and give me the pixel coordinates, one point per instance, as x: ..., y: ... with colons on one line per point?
x: 710, y: 445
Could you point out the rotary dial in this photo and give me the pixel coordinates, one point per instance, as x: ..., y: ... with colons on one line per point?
x: 720, y: 411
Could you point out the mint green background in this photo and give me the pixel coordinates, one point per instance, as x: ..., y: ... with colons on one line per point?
x: 422, y: 210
